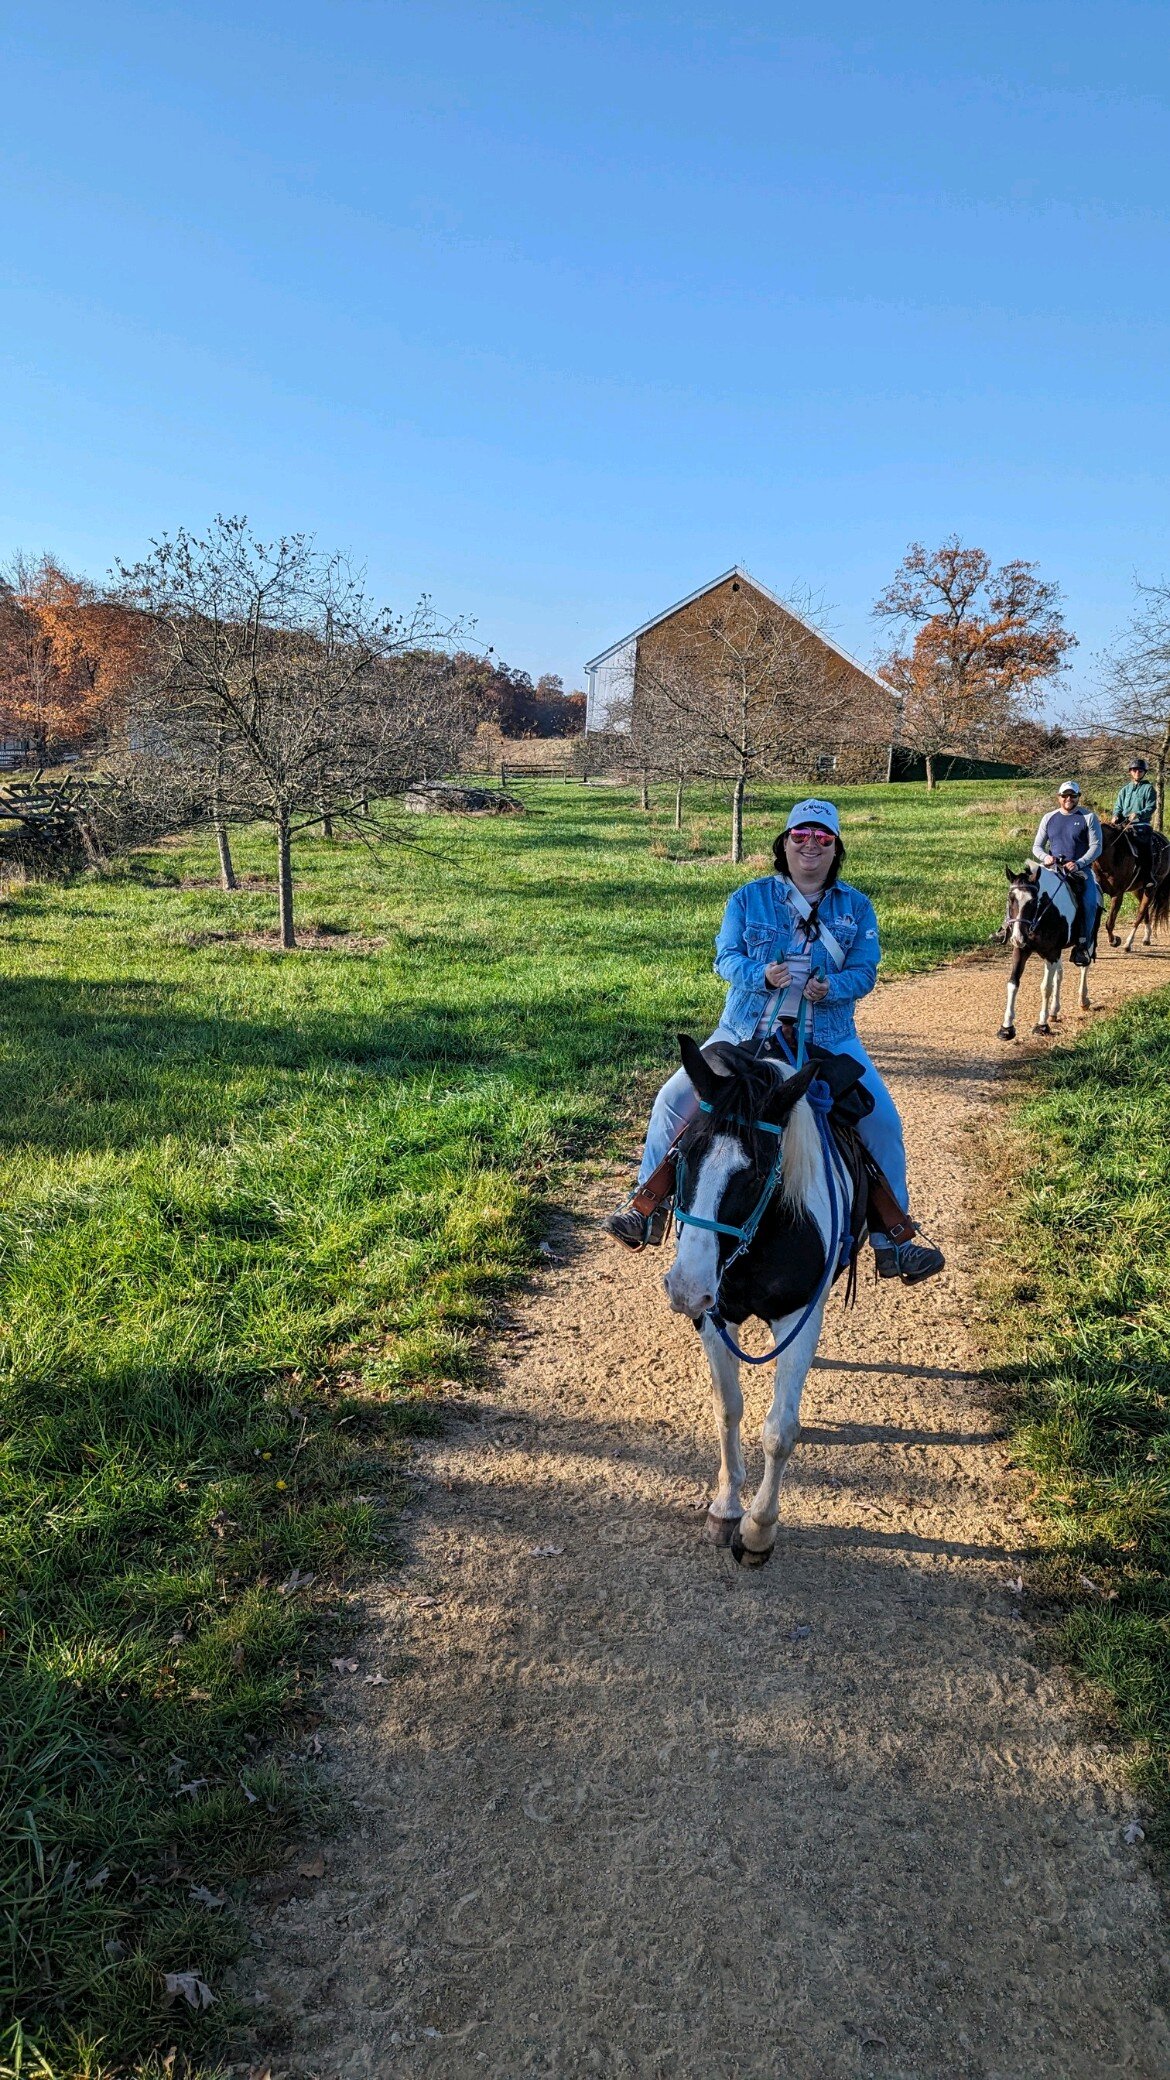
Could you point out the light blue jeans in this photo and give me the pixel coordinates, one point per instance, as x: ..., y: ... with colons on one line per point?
x: 677, y: 1103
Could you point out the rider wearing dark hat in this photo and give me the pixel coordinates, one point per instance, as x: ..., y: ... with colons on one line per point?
x: 1135, y: 809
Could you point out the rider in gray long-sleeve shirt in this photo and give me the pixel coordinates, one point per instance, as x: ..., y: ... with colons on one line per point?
x: 1070, y: 836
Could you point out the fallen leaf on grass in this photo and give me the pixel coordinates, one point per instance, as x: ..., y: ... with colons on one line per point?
x: 1016, y: 1585
x: 98, y: 1878
x: 190, y: 1987
x: 545, y: 1552
x: 296, y: 1581
x: 344, y: 1664
x: 1133, y: 1834
x: 313, y: 1866
x: 203, y: 1897
x: 373, y: 1681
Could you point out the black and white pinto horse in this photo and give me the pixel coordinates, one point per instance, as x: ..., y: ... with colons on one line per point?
x: 1041, y: 919
x: 756, y: 1160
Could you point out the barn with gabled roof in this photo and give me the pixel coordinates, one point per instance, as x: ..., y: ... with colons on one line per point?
x: 862, y: 706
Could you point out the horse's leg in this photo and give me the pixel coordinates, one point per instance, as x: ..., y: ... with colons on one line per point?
x: 726, y: 1506
x: 1007, y: 1030
x: 1111, y: 920
x: 756, y: 1536
x: 1049, y: 993
x: 1083, y: 1003
x: 1143, y: 917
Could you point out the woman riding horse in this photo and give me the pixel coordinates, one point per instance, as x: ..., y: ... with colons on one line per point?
x: 800, y: 936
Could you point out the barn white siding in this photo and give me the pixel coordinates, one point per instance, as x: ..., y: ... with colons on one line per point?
x: 611, y: 688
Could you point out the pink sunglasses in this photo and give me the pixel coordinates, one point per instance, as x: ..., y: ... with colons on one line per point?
x: 808, y: 833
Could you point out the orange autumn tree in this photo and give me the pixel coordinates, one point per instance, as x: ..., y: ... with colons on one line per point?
x: 975, y: 647
x: 66, y: 654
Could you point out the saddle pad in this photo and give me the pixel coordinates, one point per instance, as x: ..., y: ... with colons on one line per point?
x: 1060, y: 895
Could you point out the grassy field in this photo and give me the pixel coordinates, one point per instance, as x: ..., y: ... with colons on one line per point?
x: 254, y: 1210
x: 1082, y: 1314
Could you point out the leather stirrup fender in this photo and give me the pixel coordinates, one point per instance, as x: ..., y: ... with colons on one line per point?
x: 658, y: 1188
x: 885, y: 1214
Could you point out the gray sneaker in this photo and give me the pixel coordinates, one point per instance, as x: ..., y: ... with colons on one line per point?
x: 909, y: 1261
x: 637, y: 1229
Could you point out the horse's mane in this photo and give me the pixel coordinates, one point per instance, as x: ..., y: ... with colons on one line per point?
x: 744, y: 1095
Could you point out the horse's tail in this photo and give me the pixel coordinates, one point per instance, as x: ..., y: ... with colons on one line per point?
x: 1159, y: 911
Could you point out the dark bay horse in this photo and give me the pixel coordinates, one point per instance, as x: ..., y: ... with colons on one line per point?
x: 1126, y: 867
x: 763, y: 1209
x: 1040, y: 919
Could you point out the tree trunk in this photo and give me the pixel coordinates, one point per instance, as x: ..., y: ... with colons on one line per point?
x: 737, y: 822
x: 326, y: 824
x: 288, y: 936
x: 644, y: 797
x: 678, y: 800
x: 227, y: 872
x: 929, y: 772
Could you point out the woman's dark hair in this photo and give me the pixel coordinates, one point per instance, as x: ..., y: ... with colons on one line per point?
x: 781, y: 862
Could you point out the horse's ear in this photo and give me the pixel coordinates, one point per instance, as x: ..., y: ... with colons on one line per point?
x: 1010, y: 872
x: 699, y: 1070
x: 795, y: 1086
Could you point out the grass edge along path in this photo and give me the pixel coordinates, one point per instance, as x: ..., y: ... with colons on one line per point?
x: 253, y: 1211
x: 1077, y: 1316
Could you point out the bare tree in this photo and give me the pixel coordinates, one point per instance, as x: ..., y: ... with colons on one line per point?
x: 278, y: 693
x: 743, y: 690
x: 1132, y: 707
x: 976, y: 645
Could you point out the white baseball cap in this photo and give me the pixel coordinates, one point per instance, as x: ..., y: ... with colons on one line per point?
x: 814, y: 811
x: 1068, y: 787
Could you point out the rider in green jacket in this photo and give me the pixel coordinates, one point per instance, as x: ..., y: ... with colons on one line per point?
x: 1135, y: 808
x: 1136, y: 800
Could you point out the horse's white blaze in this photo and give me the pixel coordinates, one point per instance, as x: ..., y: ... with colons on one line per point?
x: 693, y: 1277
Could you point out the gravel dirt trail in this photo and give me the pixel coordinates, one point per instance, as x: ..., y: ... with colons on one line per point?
x: 624, y: 1809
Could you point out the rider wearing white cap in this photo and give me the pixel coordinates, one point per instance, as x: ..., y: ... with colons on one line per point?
x: 798, y: 935
x: 1069, y: 837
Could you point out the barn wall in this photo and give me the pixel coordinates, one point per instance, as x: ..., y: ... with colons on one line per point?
x: 611, y: 685
x: 673, y: 643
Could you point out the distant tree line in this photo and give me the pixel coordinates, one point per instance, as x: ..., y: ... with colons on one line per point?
x: 239, y: 681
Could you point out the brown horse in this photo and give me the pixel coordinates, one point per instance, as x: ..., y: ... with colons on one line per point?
x: 1124, y: 868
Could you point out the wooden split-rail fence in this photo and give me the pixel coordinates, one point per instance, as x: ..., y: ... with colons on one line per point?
x: 52, y: 819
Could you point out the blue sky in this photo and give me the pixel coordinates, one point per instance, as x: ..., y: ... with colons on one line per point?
x: 555, y: 312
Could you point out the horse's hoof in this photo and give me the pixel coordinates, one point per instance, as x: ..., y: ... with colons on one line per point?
x: 1007, y: 1032
x: 1042, y: 1029
x: 721, y: 1531
x: 1113, y: 941
x: 745, y: 1555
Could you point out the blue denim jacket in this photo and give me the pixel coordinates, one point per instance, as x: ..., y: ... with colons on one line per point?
x: 759, y: 926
